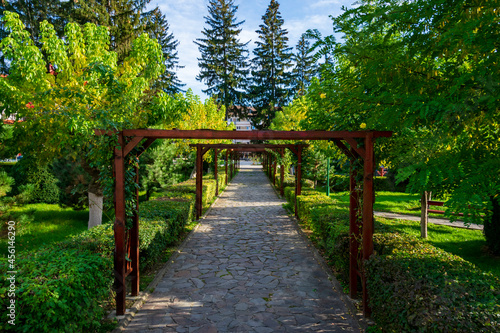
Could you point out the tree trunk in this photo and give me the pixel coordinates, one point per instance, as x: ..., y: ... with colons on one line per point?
x: 424, y: 218
x: 95, y: 209
x: 96, y: 197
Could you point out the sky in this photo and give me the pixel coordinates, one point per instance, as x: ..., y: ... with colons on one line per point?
x: 186, y: 21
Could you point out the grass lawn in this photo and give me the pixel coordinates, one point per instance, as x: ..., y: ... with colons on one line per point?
x: 51, y: 224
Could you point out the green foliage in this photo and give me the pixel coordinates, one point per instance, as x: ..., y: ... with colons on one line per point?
x: 61, y: 295
x: 423, y: 69
x: 413, y: 286
x: 73, y: 182
x: 223, y: 63
x: 62, y: 287
x: 271, y: 75
x: 6, y: 183
x: 416, y: 287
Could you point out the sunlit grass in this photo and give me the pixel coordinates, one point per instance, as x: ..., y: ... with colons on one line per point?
x: 51, y: 224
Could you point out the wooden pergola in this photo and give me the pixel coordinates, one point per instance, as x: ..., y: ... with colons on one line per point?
x: 356, y: 145
x: 203, y: 148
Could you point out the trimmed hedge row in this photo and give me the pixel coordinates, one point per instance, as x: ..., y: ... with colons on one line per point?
x: 413, y: 286
x: 62, y: 288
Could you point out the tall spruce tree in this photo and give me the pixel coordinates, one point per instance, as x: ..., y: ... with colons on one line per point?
x: 224, y: 59
x: 125, y: 18
x: 305, y: 66
x: 158, y: 28
x: 271, y: 74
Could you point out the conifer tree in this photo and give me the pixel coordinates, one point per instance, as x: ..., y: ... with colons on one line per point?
x: 305, y: 66
x: 271, y: 67
x: 158, y: 28
x: 223, y: 63
x: 125, y: 18
x: 32, y: 12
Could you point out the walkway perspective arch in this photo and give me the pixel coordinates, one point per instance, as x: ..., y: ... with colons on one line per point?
x: 355, y: 144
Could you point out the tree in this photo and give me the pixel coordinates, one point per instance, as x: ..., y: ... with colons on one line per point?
x: 158, y: 28
x: 88, y: 90
x: 426, y: 70
x: 125, y: 19
x: 32, y: 12
x: 223, y: 63
x: 305, y: 66
x: 271, y: 75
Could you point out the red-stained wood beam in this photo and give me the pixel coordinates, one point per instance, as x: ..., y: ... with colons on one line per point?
x: 216, y: 171
x: 354, y: 231
x: 368, y: 196
x: 131, y: 145
x: 247, y: 135
x: 119, y: 227
x: 134, y: 239
x: 282, y: 173
x: 199, y: 182
x: 227, y: 161
x: 299, y: 178
x: 145, y: 146
x: 354, y: 145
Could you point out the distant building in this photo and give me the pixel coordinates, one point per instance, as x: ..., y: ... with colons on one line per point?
x: 241, y: 118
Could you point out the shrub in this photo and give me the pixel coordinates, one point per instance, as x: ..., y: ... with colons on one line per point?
x: 416, y: 287
x: 60, y: 295
x: 413, y: 286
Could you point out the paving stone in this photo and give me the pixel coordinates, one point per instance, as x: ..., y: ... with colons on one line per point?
x: 245, y: 269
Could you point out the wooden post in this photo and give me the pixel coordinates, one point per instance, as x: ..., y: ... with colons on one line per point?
x: 274, y: 171
x: 119, y: 227
x: 216, y: 173
x: 199, y: 181
x: 328, y: 177
x: 367, y: 212
x: 298, y: 182
x: 134, y: 239
x: 353, y: 233
x: 227, y: 158
x: 424, y: 214
x: 282, y: 173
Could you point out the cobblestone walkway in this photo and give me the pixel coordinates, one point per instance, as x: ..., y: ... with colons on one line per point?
x: 245, y: 269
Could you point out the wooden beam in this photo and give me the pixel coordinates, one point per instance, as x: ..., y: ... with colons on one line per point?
x: 134, y: 240
x: 199, y: 182
x: 299, y: 178
x: 119, y: 227
x: 216, y: 169
x: 282, y: 173
x: 246, y: 135
x: 354, y: 145
x: 145, y: 146
x: 131, y: 145
x: 368, y: 196
x: 354, y: 232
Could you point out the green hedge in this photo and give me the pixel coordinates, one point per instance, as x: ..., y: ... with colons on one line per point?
x: 416, y: 287
x: 62, y: 288
x: 413, y: 286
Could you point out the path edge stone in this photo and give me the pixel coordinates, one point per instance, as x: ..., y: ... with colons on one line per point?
x: 124, y: 320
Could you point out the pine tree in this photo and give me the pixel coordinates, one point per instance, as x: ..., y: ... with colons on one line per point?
x: 158, y: 28
x: 125, y: 18
x: 272, y: 78
x: 305, y: 66
x: 223, y: 63
x: 32, y: 12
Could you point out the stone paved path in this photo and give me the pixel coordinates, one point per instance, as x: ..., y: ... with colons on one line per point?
x: 245, y: 269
